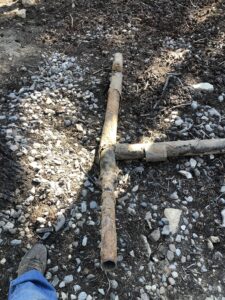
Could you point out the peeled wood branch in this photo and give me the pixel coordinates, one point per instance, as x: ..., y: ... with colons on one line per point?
x: 163, y: 150
x: 108, y: 168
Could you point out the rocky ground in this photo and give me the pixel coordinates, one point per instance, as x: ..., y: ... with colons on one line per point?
x: 55, y: 74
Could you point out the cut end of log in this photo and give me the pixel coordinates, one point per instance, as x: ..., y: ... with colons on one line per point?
x: 109, y: 265
x: 117, y: 63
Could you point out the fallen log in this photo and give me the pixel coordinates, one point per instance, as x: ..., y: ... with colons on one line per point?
x: 108, y: 168
x: 161, y: 151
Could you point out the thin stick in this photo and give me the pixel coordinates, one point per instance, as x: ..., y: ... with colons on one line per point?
x: 71, y: 17
x: 108, y: 168
x: 169, y: 76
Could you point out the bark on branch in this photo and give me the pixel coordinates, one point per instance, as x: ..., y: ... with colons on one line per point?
x: 108, y: 168
x: 161, y: 151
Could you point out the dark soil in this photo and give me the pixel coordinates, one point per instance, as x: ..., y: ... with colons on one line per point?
x: 92, y: 31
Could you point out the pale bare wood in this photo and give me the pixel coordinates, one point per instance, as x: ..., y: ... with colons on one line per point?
x: 108, y: 168
x: 163, y: 150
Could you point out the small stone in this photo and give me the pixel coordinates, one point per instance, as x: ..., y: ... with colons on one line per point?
x: 78, y: 216
x: 14, y: 148
x: 193, y: 163
x: 55, y: 281
x: 203, y: 86
x: 197, y: 172
x: 115, y: 297
x: 87, y: 183
x: 148, y: 215
x: 179, y: 122
x: 21, y: 13
x: 174, y: 274
x: 222, y: 189
x: 208, y: 128
x: 155, y: 235
x: 183, y: 259
x: 76, y: 288
x: 83, y: 207
x: 3, y: 261
x: 84, y: 193
x: 64, y: 296
x: 194, y: 105
x: 93, y: 205
x: 48, y: 275
x: 84, y: 241
x: 171, y: 281
x: 79, y: 127
x: 41, y: 220
x: 172, y: 247
x: 8, y: 226
x: 204, y: 269
x: 178, y: 252
x: 29, y: 2
x: 186, y: 174
x: 135, y: 188
x: 162, y: 290
x: 131, y: 211
x: 174, y: 196
x: 16, y: 242
x: 183, y: 227
x: 114, y: 284
x: 60, y: 222
x: 173, y: 215
x: 154, y: 288
x: 82, y: 296
x: 218, y: 256
x: 214, y: 113
x: 210, y: 245
x: 144, y: 296
x: 101, y: 291
x: 221, y: 98
x: 223, y: 218
x: 144, y: 204
x: 62, y: 284
x: 67, y: 123
x: 195, y: 215
x: 170, y: 255
x: 166, y: 230
x: 214, y: 239
x: 68, y: 279
x: 189, y: 199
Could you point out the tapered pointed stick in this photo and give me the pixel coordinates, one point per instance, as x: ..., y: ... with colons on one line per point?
x: 108, y: 168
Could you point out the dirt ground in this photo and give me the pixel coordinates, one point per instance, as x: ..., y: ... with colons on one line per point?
x: 185, y: 38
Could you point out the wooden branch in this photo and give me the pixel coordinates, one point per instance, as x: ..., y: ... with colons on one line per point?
x: 161, y: 151
x: 108, y: 168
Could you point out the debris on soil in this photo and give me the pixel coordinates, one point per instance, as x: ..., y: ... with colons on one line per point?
x: 51, y: 114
